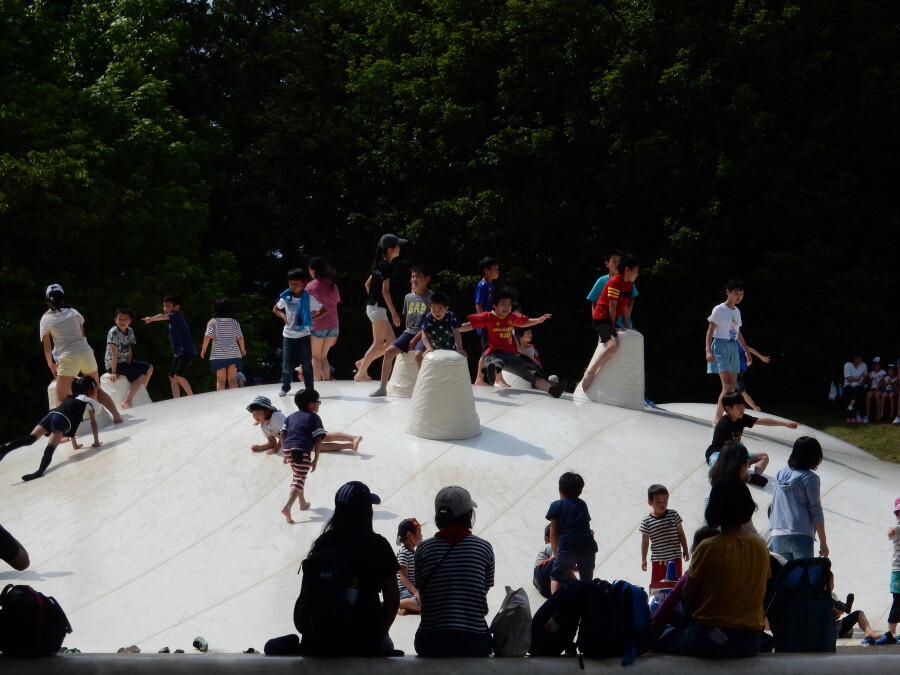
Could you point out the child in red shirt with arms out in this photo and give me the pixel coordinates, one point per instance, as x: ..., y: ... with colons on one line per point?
x: 612, y: 303
x: 501, y: 352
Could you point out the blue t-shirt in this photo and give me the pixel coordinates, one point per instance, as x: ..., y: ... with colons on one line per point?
x: 483, y: 295
x: 573, y: 524
x: 301, y: 431
x: 440, y: 333
x: 180, y: 335
x: 594, y: 295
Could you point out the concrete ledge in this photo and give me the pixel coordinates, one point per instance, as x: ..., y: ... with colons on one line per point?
x: 877, y: 660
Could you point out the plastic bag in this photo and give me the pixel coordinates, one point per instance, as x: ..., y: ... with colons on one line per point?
x: 833, y: 392
x: 511, y: 627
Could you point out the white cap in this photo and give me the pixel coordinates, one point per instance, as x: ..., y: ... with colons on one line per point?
x: 51, y: 288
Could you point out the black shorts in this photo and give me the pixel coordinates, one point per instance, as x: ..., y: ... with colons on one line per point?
x: 604, y: 329
x: 524, y: 368
x: 55, y: 421
x: 132, y: 370
x: 180, y: 365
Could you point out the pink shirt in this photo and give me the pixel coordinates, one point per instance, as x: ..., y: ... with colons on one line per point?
x: 328, y: 294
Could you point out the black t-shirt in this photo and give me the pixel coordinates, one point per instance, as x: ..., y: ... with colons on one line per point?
x: 727, y: 431
x: 382, y: 272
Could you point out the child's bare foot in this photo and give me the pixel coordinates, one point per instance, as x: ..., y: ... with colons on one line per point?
x: 401, y: 612
x: 125, y: 405
x: 479, y: 382
x: 118, y: 421
x: 304, y: 506
x: 356, y: 441
x: 500, y: 381
x: 286, y: 512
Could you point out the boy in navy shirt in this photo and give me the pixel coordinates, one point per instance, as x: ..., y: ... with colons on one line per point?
x: 301, y: 439
x: 571, y: 538
x: 183, y: 347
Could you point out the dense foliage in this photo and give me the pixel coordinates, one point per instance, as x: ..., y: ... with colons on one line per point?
x: 149, y: 146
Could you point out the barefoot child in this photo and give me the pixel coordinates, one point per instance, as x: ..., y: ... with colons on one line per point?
x: 301, y: 439
x: 379, y: 303
x: 271, y: 421
x: 61, y: 422
x: 183, y: 348
x: 409, y: 535
x: 118, y: 361
x: 490, y: 271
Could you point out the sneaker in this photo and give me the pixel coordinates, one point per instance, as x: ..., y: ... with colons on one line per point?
x: 850, y: 420
x: 553, y: 379
x: 283, y: 392
x: 558, y: 389
x: 897, y: 420
x: 848, y: 605
x: 887, y: 639
x: 865, y: 419
x: 757, y: 479
x: 850, y: 408
x: 867, y: 641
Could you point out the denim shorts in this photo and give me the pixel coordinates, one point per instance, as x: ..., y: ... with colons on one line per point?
x: 725, y: 353
x: 55, y: 421
x: 715, y: 455
x: 402, y: 342
x: 376, y: 313
x: 328, y: 332
x: 404, y: 593
x: 215, y: 365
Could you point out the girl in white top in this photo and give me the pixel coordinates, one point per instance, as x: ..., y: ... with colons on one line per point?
x: 63, y: 327
x: 722, y: 338
x: 228, y: 345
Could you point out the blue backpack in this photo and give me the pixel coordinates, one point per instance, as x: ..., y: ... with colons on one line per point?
x: 616, y: 622
x: 801, y: 611
x: 632, y: 609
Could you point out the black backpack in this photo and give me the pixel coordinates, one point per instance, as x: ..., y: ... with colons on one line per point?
x: 616, y: 621
x: 555, y: 623
x: 325, y: 608
x: 801, y: 611
x: 31, y: 624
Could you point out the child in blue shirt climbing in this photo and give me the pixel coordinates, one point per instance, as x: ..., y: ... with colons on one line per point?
x: 571, y: 538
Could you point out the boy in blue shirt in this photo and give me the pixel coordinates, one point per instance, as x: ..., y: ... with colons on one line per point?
x: 571, y: 538
x: 298, y: 309
x: 490, y: 271
x: 301, y: 439
x: 183, y: 347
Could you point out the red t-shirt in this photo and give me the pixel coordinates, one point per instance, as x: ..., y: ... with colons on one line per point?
x: 500, y: 331
x: 616, y: 289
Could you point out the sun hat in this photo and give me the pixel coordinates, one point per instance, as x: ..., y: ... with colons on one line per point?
x: 262, y: 402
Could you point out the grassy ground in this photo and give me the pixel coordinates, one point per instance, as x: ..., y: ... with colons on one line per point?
x: 880, y: 439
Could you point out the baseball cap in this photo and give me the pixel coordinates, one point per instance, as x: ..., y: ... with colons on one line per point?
x: 877, y: 359
x: 390, y: 241
x: 405, y: 527
x: 355, y: 494
x: 53, y: 287
x: 456, y: 499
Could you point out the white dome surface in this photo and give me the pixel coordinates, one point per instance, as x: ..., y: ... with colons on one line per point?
x: 172, y: 528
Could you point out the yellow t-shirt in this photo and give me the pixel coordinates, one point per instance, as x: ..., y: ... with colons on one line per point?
x: 731, y: 572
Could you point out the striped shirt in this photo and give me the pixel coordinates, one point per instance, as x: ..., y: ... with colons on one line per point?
x: 663, y: 533
x: 454, y: 596
x: 406, y: 558
x: 224, y: 333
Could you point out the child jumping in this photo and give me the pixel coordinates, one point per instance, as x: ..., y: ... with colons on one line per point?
x: 298, y: 309
x: 415, y: 306
x: 61, y: 422
x: 571, y: 539
x: 225, y: 359
x: 379, y: 303
x: 183, y: 349
x: 409, y: 535
x: 501, y: 351
x: 663, y: 535
x: 612, y: 304
x: 118, y: 359
x: 730, y: 427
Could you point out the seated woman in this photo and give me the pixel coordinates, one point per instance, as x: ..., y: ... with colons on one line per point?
x: 454, y: 570
x: 726, y: 583
x: 372, y: 563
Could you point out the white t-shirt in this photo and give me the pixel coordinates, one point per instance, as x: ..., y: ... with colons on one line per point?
x: 64, y: 328
x: 727, y: 320
x: 854, y: 371
x: 291, y: 308
x: 875, y: 378
x: 274, y: 426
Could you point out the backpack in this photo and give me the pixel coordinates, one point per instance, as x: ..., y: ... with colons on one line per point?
x: 616, y: 621
x: 511, y: 627
x: 555, y: 623
x: 31, y: 624
x: 326, y: 605
x: 801, y: 612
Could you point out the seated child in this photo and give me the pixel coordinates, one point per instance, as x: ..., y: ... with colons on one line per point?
x: 409, y: 535
x: 662, y: 533
x: 440, y: 327
x: 730, y: 427
x: 118, y: 361
x: 873, y: 396
x: 543, y: 566
x: 571, y: 539
x: 843, y: 628
x: 887, y: 393
x: 501, y: 351
x: 528, y: 350
x: 415, y: 307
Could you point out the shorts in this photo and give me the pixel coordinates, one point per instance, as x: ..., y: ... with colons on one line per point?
x: 301, y: 463
x: 402, y: 342
x: 713, y: 456
x: 55, y: 421
x: 741, y: 387
x: 727, y: 359
x: 215, y: 365
x: 404, y: 594
x: 82, y: 362
x: 132, y: 370
x: 180, y: 365
x: 328, y: 332
x: 843, y: 627
x: 604, y: 329
x: 376, y: 313
x: 524, y: 368
x: 895, y: 581
x: 565, y: 561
